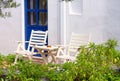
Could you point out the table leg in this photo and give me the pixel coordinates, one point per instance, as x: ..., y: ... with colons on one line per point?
x: 43, y: 56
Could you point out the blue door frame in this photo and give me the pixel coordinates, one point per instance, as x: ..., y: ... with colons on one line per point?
x: 36, y: 13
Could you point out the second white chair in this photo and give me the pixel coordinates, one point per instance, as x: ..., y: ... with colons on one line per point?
x: 71, y: 51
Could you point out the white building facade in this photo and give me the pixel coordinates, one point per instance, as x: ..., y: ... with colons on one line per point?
x: 100, y: 18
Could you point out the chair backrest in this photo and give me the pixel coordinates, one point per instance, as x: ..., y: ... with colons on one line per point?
x: 37, y: 38
x: 76, y: 41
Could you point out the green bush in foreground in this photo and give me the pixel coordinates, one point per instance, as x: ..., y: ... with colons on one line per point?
x: 94, y: 63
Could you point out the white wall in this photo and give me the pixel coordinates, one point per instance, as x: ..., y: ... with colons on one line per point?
x: 100, y: 18
x: 10, y: 31
x: 53, y: 22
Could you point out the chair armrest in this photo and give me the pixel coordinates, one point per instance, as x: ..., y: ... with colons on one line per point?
x: 64, y: 46
x: 20, y: 45
x: 22, y: 42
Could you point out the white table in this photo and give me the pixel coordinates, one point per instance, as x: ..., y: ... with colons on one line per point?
x: 50, y: 51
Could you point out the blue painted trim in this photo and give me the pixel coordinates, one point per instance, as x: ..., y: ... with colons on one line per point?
x: 28, y: 27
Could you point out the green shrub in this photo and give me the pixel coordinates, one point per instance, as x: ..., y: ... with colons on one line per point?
x: 65, y: 72
x: 26, y: 71
x: 95, y: 61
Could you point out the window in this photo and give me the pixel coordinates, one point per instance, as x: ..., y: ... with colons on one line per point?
x: 36, y: 12
x: 76, y: 7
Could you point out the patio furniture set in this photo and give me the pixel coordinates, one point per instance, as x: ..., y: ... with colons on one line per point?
x: 39, y: 52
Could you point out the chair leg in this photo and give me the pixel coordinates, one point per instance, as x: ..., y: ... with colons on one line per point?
x: 16, y: 58
x: 29, y: 57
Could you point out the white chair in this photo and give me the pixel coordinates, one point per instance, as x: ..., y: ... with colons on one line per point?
x: 71, y: 51
x: 37, y: 38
